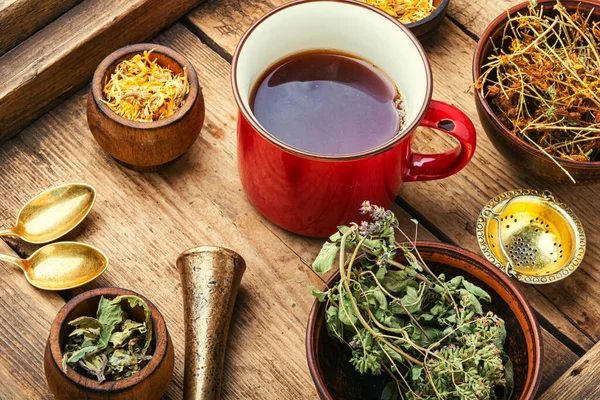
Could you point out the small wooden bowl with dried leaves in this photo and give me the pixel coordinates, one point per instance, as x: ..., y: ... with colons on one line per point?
x: 145, y: 106
x: 136, y: 362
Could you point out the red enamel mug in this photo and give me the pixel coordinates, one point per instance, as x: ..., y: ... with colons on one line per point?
x: 310, y: 193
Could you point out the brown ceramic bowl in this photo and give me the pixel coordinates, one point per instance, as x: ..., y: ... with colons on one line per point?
x: 145, y: 146
x: 517, y: 151
x: 336, y: 379
x: 149, y: 383
x: 423, y: 29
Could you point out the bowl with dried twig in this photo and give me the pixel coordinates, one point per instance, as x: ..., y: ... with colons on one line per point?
x: 537, y: 77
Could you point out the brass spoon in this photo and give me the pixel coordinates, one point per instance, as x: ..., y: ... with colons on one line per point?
x: 60, y: 266
x: 53, y: 213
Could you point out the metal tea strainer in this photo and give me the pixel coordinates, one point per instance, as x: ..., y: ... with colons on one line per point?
x: 531, y: 236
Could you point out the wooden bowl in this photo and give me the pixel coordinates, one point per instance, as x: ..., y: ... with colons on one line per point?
x: 423, y: 29
x: 336, y: 379
x: 149, y: 383
x: 145, y: 146
x: 517, y: 151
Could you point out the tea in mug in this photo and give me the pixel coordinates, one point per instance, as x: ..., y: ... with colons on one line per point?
x: 328, y: 102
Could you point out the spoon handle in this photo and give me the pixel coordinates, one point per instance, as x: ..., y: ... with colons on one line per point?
x: 6, y: 232
x: 13, y: 260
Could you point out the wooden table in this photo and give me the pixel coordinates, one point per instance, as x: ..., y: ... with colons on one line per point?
x: 143, y: 221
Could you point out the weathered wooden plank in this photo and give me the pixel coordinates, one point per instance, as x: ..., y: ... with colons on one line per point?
x: 580, y: 382
x: 476, y: 15
x: 61, y: 58
x: 26, y: 314
x: 223, y: 22
x: 557, y: 360
x: 20, y: 19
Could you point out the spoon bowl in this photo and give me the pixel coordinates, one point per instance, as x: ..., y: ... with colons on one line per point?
x: 53, y: 213
x: 61, y: 266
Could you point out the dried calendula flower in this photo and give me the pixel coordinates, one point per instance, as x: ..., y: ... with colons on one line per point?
x: 142, y: 90
x: 405, y: 11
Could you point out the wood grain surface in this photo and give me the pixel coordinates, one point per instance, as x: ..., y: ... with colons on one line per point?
x: 62, y: 57
x: 26, y: 314
x: 475, y: 16
x: 580, y: 382
x: 36, y: 13
x: 143, y: 221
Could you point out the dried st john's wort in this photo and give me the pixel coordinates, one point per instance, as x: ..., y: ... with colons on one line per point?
x: 110, y: 346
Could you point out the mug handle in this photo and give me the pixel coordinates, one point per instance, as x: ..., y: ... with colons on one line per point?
x: 449, y: 119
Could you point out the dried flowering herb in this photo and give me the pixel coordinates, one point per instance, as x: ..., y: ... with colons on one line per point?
x: 543, y: 81
x: 110, y: 346
x: 430, y: 334
x: 405, y: 11
x: 142, y: 90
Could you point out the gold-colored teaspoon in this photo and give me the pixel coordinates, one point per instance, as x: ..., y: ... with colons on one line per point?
x: 53, y: 213
x: 60, y: 266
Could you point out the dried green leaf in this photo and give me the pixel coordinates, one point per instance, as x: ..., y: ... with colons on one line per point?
x: 86, y: 322
x: 477, y: 291
x: 95, y: 365
x: 455, y: 282
x: 109, y: 313
x: 135, y: 301
x: 321, y: 296
x: 121, y: 358
x: 346, y: 314
x: 380, y: 298
x: 325, y: 261
x: 396, y: 281
x: 79, y: 354
x: 412, y: 300
x: 469, y: 300
x: 415, y: 372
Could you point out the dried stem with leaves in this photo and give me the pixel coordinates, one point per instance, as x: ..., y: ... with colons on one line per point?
x: 429, y: 334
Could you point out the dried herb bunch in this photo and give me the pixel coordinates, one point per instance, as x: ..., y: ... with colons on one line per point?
x: 109, y: 347
x: 543, y: 81
x: 430, y: 334
x: 405, y: 11
x: 142, y: 90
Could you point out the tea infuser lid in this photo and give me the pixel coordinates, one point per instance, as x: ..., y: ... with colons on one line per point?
x: 531, y: 236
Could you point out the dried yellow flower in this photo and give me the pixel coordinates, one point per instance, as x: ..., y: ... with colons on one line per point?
x: 141, y: 90
x: 405, y: 11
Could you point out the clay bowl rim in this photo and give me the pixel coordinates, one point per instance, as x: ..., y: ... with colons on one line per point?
x: 439, y: 9
x: 158, y: 354
x: 456, y: 253
x: 122, y: 53
x: 478, y: 61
